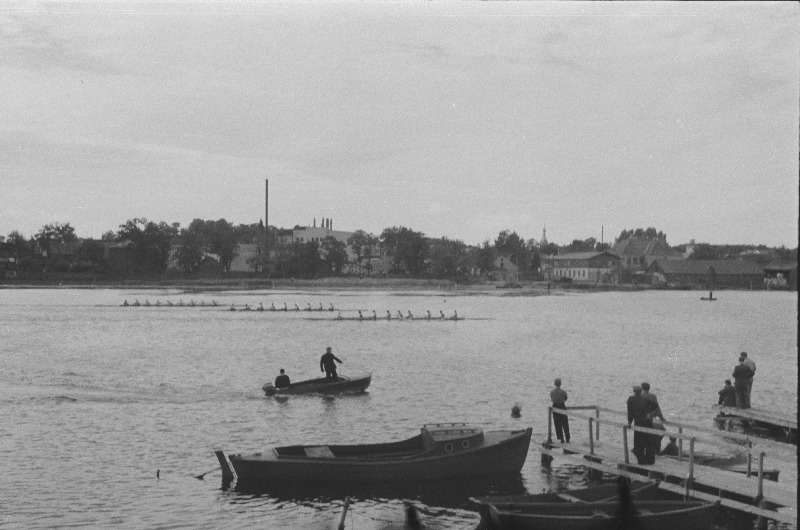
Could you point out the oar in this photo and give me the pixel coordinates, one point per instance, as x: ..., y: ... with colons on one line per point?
x: 201, y: 475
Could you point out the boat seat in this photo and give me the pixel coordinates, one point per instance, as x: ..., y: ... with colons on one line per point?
x: 319, y: 451
x: 600, y: 514
x: 644, y: 512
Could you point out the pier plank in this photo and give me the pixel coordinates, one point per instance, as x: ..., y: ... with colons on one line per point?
x: 787, y: 514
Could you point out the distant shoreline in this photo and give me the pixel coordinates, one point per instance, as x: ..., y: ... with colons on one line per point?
x: 533, y: 288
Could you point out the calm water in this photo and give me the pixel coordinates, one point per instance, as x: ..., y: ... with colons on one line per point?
x: 95, y: 398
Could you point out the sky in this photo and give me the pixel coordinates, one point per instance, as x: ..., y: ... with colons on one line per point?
x: 454, y: 119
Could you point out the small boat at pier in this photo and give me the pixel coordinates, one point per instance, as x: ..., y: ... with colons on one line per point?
x: 650, y: 515
x: 341, y: 385
x: 441, y: 451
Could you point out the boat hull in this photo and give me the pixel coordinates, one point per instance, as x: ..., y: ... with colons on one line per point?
x: 501, y: 452
x: 652, y: 515
x: 342, y: 385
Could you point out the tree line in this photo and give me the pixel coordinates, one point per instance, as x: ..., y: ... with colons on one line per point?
x: 150, y: 245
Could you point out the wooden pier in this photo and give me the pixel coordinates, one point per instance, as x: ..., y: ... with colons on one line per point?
x: 747, y: 492
x: 780, y: 425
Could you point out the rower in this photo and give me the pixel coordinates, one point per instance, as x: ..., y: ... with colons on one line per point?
x: 409, y: 315
x: 374, y: 315
x: 441, y: 314
x: 272, y: 306
x: 429, y: 314
x: 232, y: 308
x: 360, y: 316
x: 330, y: 308
x: 169, y: 303
x: 282, y: 381
x: 260, y: 307
x: 388, y: 315
x: 455, y: 315
x: 399, y: 315
x: 320, y: 307
x: 125, y: 303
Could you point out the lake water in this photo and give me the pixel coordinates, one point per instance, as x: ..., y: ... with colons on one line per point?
x: 97, y: 399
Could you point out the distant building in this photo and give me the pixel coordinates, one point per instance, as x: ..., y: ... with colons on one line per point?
x: 504, y: 269
x: 781, y: 275
x: 637, y: 253
x: 709, y: 274
x: 8, y: 260
x: 592, y: 267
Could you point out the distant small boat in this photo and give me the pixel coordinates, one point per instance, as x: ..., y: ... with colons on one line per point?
x: 709, y: 298
x: 322, y: 385
x: 440, y: 451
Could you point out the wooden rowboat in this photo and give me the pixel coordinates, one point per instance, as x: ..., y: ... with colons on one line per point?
x: 440, y: 451
x: 605, y: 493
x: 649, y: 515
x: 341, y: 385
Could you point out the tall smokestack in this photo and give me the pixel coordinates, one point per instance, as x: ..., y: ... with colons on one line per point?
x: 266, y: 223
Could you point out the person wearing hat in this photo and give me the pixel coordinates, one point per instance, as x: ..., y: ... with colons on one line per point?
x: 561, y: 421
x: 327, y: 363
x: 638, y: 414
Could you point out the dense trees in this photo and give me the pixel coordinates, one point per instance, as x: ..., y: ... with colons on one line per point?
x: 150, y: 243
x: 408, y: 249
x: 62, y: 233
x: 144, y: 247
x: 650, y: 233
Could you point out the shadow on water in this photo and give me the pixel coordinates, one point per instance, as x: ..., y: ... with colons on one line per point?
x: 440, y: 493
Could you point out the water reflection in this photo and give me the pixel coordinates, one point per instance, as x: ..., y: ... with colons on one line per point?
x: 453, y: 494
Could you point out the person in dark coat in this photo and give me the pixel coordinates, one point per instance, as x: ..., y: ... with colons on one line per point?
x: 282, y: 381
x: 638, y: 414
x: 560, y: 421
x: 327, y: 363
x: 741, y: 383
x: 727, y: 396
x: 655, y: 412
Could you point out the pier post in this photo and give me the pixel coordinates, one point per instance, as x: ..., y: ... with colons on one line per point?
x: 761, y: 475
x: 749, y: 458
x: 549, y: 425
x: 344, y: 513
x: 680, y: 443
x: 690, y: 478
x: 597, y: 425
x: 625, y: 443
x: 591, y: 440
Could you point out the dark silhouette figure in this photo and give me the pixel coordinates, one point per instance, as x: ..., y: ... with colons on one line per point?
x: 282, y: 381
x: 327, y: 363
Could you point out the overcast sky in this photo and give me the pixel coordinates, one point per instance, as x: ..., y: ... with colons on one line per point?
x: 452, y: 119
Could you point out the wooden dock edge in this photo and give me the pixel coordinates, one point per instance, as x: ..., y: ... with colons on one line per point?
x: 578, y: 459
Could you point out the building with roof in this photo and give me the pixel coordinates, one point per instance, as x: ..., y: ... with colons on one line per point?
x: 637, y: 253
x: 590, y: 267
x: 709, y: 274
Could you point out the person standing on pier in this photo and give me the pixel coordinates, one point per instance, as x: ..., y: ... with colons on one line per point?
x: 638, y: 409
x: 654, y: 412
x: 752, y: 365
x: 741, y: 382
x: 561, y: 422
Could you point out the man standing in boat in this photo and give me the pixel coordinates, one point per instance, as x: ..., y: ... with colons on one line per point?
x: 327, y: 364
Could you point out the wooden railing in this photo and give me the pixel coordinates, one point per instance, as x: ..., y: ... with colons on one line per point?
x: 594, y: 423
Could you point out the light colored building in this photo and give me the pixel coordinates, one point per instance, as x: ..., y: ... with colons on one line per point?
x: 594, y: 267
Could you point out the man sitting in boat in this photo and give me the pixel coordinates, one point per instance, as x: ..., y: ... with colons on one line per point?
x: 282, y: 381
x: 327, y: 364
